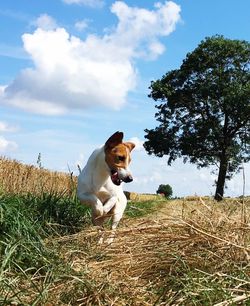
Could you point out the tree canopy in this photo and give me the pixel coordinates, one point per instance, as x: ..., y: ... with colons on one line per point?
x: 203, y: 109
x: 166, y: 190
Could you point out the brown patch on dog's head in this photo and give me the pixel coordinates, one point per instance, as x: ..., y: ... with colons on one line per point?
x: 117, y: 153
x: 129, y: 145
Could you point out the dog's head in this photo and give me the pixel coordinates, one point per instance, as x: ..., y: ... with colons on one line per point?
x: 117, y: 157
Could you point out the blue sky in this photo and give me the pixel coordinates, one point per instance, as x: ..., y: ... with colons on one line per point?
x: 72, y: 72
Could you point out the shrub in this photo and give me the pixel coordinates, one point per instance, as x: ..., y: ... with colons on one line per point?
x: 166, y: 190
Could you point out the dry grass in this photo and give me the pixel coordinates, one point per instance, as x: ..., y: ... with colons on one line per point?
x: 189, y: 252
x: 197, y: 255
x: 139, y: 197
x: 18, y: 178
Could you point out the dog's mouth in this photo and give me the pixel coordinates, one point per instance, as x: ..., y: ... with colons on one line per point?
x: 114, y: 178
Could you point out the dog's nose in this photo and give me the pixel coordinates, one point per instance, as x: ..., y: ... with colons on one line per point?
x: 128, y: 179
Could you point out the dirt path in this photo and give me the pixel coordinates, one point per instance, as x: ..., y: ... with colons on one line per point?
x: 133, y: 262
x: 151, y: 253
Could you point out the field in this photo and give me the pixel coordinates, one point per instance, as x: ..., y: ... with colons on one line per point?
x: 191, y: 251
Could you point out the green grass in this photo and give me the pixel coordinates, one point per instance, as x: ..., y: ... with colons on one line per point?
x: 36, y: 263
x: 25, y: 221
x: 143, y: 208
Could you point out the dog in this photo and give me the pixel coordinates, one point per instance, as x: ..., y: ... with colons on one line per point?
x: 100, y: 181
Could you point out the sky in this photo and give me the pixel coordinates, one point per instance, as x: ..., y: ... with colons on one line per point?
x: 73, y: 72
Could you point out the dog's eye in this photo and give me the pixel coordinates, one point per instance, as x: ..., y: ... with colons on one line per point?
x: 121, y: 158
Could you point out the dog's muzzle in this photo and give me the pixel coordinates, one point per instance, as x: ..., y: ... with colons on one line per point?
x: 121, y: 175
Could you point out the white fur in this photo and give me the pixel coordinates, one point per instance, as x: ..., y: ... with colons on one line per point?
x: 96, y: 190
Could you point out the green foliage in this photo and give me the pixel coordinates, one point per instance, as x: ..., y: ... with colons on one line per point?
x: 142, y: 209
x: 204, y: 109
x: 166, y: 190
x: 20, y: 235
x: 25, y: 221
x: 56, y: 213
x: 22, y: 251
x: 38, y: 266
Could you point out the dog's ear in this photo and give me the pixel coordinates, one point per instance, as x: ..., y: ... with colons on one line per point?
x: 114, y: 140
x: 129, y: 145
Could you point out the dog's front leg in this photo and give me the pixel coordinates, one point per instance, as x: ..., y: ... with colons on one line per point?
x: 96, y: 205
x: 118, y: 213
x: 109, y: 204
x: 112, y: 234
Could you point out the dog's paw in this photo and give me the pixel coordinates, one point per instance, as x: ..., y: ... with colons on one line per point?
x: 100, y: 241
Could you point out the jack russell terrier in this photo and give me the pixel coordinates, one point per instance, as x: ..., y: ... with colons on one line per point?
x: 99, y: 183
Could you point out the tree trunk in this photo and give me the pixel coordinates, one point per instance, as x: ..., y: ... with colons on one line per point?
x: 221, y: 179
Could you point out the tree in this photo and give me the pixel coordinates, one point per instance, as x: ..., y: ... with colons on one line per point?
x: 166, y: 190
x: 204, y: 109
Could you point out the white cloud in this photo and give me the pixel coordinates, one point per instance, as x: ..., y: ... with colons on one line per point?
x: 156, y: 49
x: 6, y: 145
x: 91, y: 3
x: 145, y: 26
x: 45, y: 22
x: 138, y: 143
x: 5, y: 127
x: 185, y: 179
x: 81, y: 25
x: 70, y: 73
